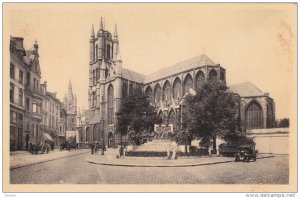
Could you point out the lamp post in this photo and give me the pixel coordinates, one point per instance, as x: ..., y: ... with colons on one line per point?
x: 103, y: 142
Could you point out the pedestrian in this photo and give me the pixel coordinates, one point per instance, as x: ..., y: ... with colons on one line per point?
x: 92, y: 148
x: 27, y: 141
x: 168, y: 154
x: 96, y: 147
x: 30, y: 146
x: 36, y: 147
x: 121, y: 151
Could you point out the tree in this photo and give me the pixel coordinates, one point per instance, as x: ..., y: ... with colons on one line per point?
x: 137, y: 116
x: 211, y: 113
x: 284, y: 123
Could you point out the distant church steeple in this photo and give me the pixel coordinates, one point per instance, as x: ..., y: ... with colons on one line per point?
x: 101, y: 24
x: 116, y: 33
x: 92, y: 31
x: 71, y: 100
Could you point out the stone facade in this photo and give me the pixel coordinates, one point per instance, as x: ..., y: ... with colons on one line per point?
x: 109, y: 83
x: 33, y: 110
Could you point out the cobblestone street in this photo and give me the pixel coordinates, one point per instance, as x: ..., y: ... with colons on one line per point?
x: 75, y: 170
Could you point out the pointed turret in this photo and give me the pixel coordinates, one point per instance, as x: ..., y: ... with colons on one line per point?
x: 70, y: 93
x: 70, y: 85
x: 35, y: 48
x: 116, y: 33
x: 101, y: 25
x: 92, y: 31
x: 92, y: 45
x: 118, y: 56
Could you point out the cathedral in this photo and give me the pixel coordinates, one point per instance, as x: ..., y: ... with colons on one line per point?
x: 110, y: 82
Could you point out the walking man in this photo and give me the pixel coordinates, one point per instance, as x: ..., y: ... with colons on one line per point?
x: 92, y: 148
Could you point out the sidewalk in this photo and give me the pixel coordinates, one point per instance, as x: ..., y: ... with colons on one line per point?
x: 20, y: 159
x: 110, y: 159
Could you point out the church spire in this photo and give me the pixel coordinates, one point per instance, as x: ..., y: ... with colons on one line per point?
x: 70, y: 93
x: 92, y: 32
x: 101, y: 25
x: 116, y: 33
x: 70, y: 85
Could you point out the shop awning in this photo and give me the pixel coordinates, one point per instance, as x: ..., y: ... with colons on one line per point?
x: 46, y: 136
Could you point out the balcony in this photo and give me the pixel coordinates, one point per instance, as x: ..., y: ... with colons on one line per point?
x: 36, y: 116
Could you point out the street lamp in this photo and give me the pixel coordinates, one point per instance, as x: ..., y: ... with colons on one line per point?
x: 103, y: 142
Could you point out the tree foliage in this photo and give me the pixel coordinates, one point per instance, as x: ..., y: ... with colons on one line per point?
x: 183, y: 137
x: 211, y: 113
x: 282, y: 123
x: 136, y: 115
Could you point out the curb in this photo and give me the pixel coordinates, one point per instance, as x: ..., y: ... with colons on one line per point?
x: 164, y: 165
x: 39, y: 162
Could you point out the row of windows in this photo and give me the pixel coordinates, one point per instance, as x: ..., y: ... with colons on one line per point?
x: 16, y: 118
x: 178, y: 88
x: 12, y: 95
x: 96, y: 52
x: 21, y: 77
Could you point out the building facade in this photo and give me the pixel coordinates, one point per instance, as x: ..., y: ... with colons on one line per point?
x: 62, y: 124
x: 109, y: 83
x: 50, y: 112
x: 18, y: 70
x: 33, y: 110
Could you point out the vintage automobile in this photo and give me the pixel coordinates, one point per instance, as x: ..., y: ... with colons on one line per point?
x: 67, y: 146
x: 246, y: 153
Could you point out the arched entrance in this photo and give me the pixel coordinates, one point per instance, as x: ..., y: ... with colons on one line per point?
x: 254, y: 116
x: 87, y: 135
x: 172, y: 119
x: 110, y: 140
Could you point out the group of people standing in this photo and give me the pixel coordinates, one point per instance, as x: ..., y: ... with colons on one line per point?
x: 35, y: 146
x: 95, y: 147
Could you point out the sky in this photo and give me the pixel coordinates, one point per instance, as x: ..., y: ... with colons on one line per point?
x: 253, y: 42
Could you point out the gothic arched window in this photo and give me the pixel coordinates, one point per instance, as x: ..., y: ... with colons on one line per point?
x: 96, y: 56
x: 172, y: 118
x: 200, y: 78
x: 110, y: 104
x: 124, y: 90
x: 130, y: 89
x: 108, y: 51
x: 188, y: 83
x: 254, y: 116
x: 167, y: 92
x: 148, y: 92
x: 95, y: 133
x: 94, y: 99
x: 177, y: 89
x: 222, y: 76
x: 157, y: 94
x: 87, y: 135
x: 213, y: 75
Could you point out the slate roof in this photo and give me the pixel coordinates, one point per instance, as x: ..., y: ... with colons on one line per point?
x: 197, y: 61
x: 132, y: 75
x: 95, y: 119
x: 246, y: 89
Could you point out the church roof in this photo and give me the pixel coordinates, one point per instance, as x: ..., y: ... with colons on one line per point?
x: 197, y: 61
x: 246, y: 89
x: 132, y: 75
x: 95, y: 119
